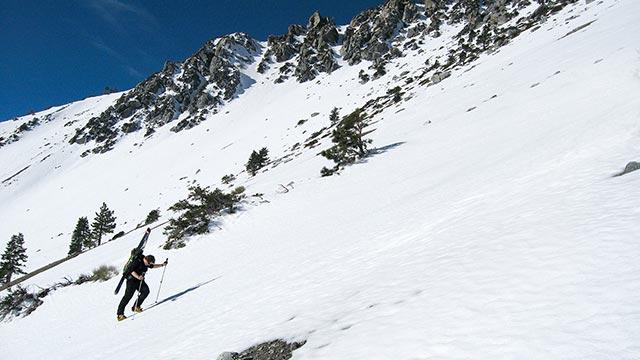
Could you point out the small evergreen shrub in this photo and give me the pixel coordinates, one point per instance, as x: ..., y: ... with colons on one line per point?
x: 328, y: 172
x: 228, y: 179
x: 197, y: 211
x: 104, y: 273
x: 152, y: 217
x: 18, y: 302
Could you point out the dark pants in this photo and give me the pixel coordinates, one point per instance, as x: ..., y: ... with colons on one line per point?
x: 133, y: 284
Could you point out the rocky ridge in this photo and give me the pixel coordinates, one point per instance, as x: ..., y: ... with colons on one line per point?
x: 195, y: 87
x: 183, y: 93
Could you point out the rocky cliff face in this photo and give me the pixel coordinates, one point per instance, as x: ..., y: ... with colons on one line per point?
x: 309, y: 48
x: 183, y: 93
x: 316, y: 55
x: 368, y: 34
x: 483, y: 28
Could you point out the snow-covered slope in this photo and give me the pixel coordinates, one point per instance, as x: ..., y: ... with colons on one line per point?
x: 486, y: 224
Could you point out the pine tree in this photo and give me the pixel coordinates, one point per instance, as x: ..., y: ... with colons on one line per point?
x: 228, y: 179
x: 334, y: 116
x: 264, y: 155
x: 104, y: 223
x: 252, y: 165
x: 81, y: 237
x: 152, y: 217
x: 257, y: 161
x: 349, y: 140
x: 13, y: 258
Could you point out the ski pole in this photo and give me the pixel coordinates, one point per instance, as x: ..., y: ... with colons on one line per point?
x: 162, y: 278
x: 139, y: 288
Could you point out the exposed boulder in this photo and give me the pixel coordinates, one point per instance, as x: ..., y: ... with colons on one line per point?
x: 632, y: 166
x: 439, y: 76
x: 271, y: 350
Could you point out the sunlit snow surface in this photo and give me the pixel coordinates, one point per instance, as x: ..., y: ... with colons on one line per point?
x: 486, y: 225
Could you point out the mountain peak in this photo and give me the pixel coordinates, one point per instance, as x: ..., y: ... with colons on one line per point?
x: 490, y: 202
x: 184, y: 93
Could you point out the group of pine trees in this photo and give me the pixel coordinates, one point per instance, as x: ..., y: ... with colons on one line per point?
x: 87, y: 236
x: 83, y: 237
x: 348, y: 137
x: 197, y: 211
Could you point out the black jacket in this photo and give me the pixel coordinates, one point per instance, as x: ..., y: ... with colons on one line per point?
x: 139, y: 267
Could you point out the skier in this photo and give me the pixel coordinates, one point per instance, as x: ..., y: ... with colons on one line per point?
x: 135, y: 281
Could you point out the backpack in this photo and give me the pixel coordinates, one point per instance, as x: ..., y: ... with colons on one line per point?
x: 126, y: 270
x: 135, y: 253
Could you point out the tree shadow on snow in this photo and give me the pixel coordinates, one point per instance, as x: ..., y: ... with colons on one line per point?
x: 380, y: 150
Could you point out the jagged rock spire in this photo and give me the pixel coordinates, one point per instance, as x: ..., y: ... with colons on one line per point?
x: 367, y: 34
x: 310, y: 46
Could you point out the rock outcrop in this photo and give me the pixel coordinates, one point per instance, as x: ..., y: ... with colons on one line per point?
x: 310, y: 48
x: 368, y: 34
x: 270, y: 350
x: 199, y: 85
x: 631, y: 167
x: 183, y: 93
x: 316, y: 55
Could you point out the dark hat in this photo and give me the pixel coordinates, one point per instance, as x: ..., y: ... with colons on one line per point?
x: 150, y: 259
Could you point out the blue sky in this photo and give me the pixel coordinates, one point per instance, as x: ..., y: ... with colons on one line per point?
x: 53, y: 52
